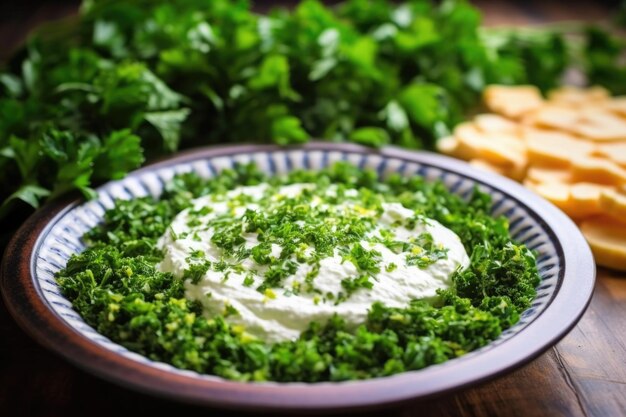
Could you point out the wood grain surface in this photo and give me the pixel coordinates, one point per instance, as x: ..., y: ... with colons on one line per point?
x: 583, y: 375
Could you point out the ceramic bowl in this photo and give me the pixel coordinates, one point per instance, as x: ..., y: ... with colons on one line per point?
x: 46, y: 241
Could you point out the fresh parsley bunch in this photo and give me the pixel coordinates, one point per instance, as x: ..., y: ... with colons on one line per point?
x: 92, y: 97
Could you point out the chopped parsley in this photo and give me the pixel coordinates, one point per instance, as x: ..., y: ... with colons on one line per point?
x: 366, y: 261
x: 424, y: 251
x: 353, y: 284
x: 196, y: 271
x: 391, y: 267
x: 116, y: 287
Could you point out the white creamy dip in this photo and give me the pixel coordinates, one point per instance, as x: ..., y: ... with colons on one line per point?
x: 278, y: 314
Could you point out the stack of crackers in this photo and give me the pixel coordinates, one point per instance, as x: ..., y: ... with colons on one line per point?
x: 569, y: 148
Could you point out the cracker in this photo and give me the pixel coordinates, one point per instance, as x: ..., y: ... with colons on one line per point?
x: 578, y: 97
x: 613, y: 203
x: 448, y: 145
x: 556, y: 117
x: 512, y: 102
x: 542, y: 174
x: 555, y: 149
x: 617, y: 105
x: 615, y: 151
x: 607, y: 239
x: 497, y: 148
x: 598, y: 170
x: 493, y: 123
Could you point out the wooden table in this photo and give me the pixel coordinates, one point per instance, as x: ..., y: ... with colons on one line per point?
x: 583, y: 375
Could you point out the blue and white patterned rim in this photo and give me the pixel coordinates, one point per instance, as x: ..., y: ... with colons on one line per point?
x: 62, y: 236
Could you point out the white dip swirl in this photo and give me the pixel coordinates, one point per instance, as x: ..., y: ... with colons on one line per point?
x: 232, y: 283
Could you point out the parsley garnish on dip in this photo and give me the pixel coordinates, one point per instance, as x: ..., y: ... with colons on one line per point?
x: 324, y: 275
x: 275, y: 258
